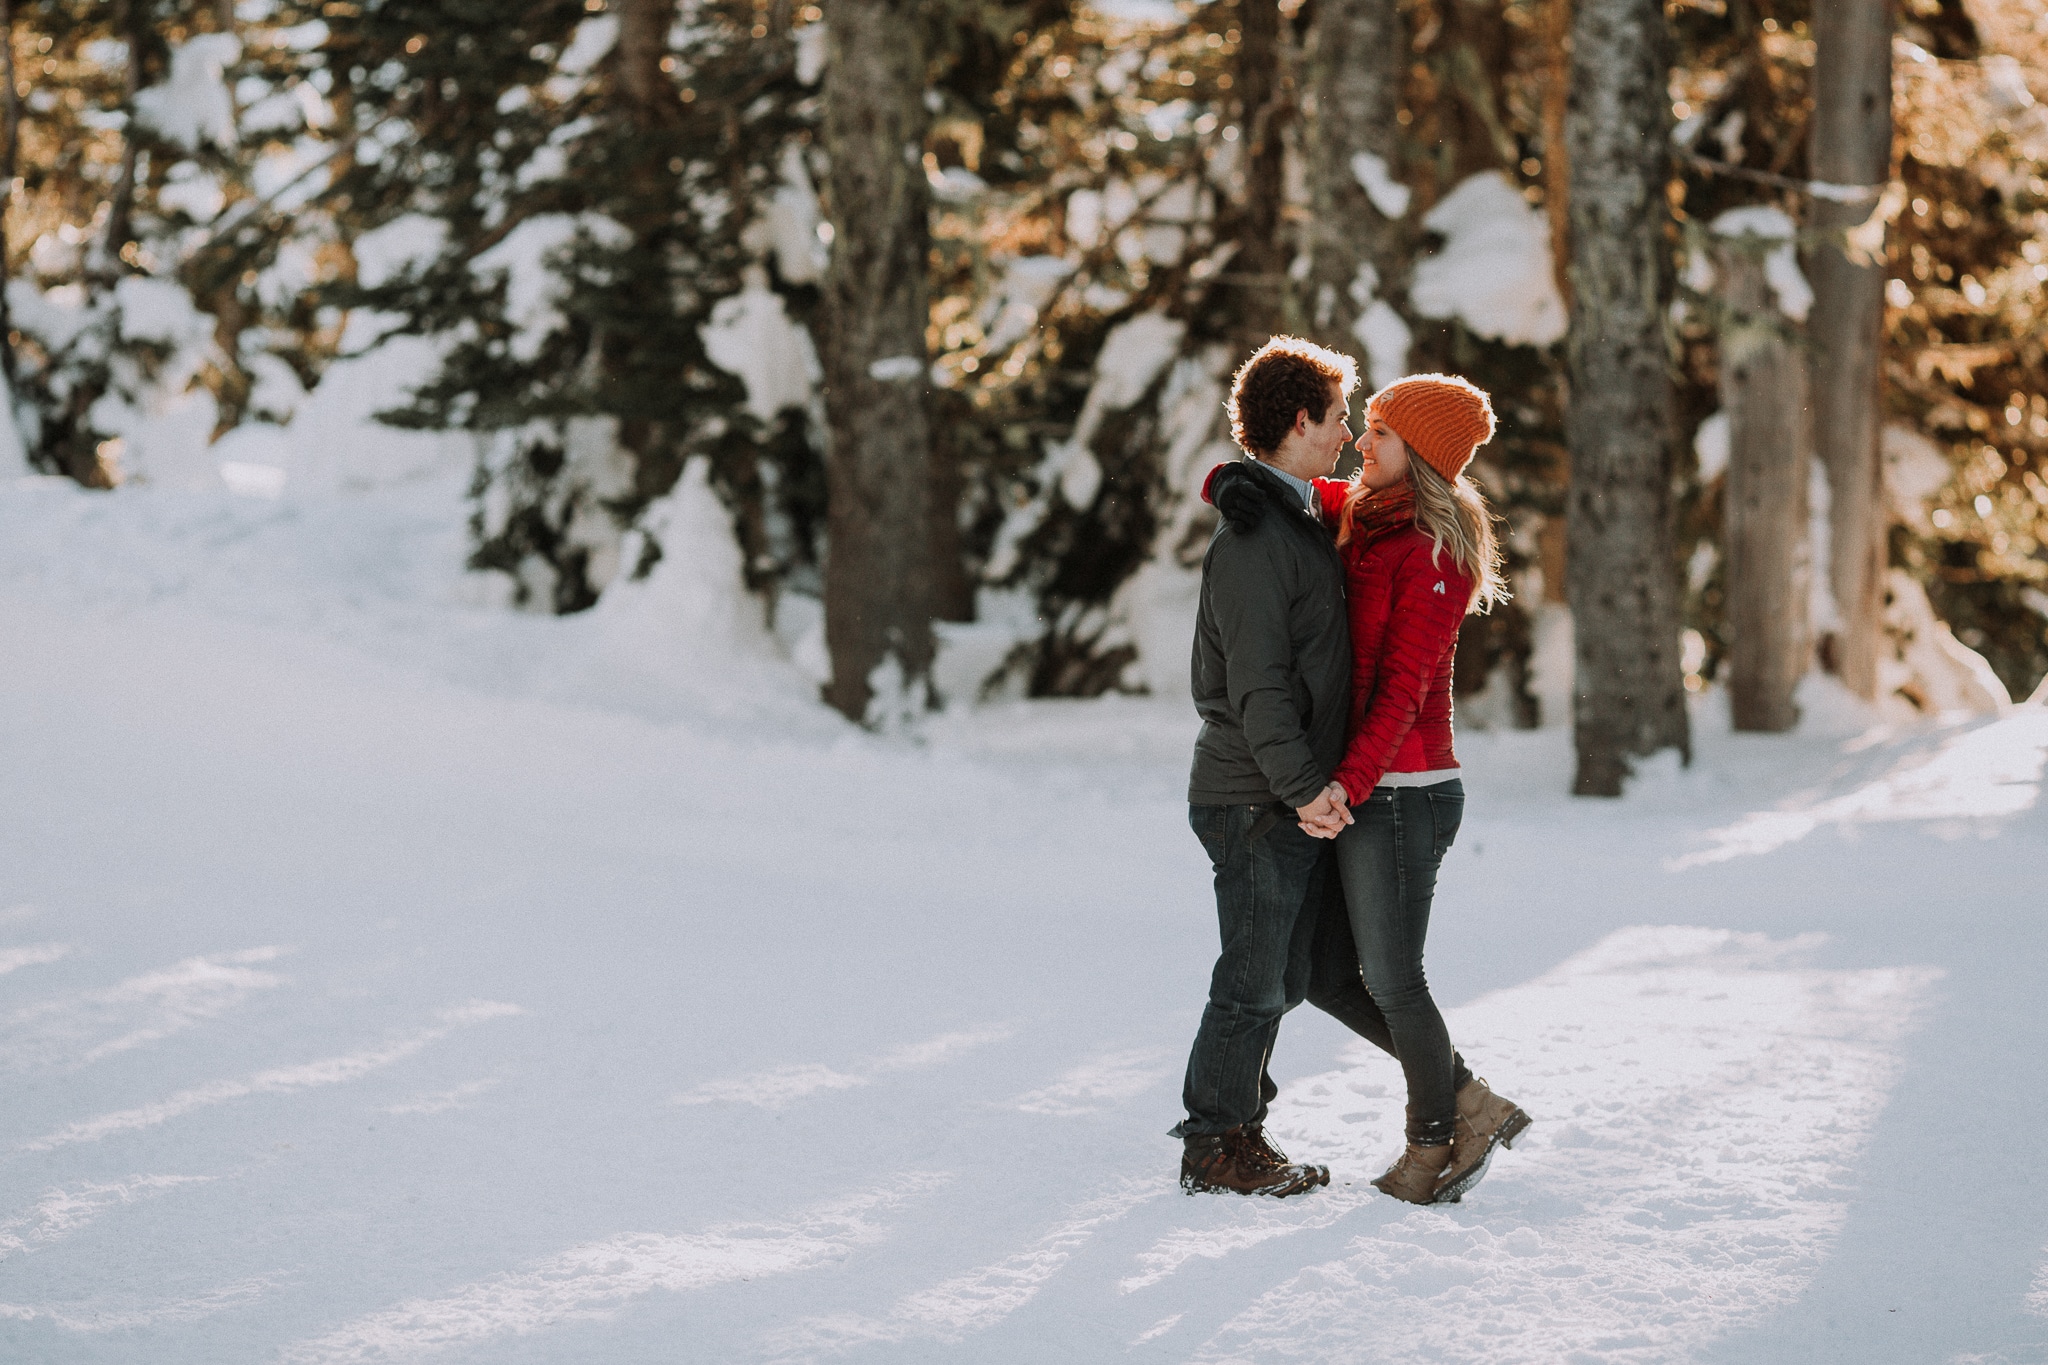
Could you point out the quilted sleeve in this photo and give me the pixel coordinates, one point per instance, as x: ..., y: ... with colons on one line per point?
x: 1330, y: 492
x: 1426, y: 605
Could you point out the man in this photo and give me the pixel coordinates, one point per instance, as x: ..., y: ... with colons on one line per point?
x: 1271, y: 674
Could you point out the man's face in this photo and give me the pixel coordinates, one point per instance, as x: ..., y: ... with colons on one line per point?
x: 1325, y: 440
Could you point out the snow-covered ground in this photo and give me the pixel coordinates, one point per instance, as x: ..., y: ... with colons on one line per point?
x: 386, y: 976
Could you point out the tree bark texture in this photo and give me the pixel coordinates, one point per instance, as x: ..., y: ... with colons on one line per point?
x: 648, y: 102
x: 1851, y: 145
x: 952, y: 585
x: 1629, y: 699
x: 643, y: 42
x: 1354, y: 73
x: 103, y: 262
x: 1763, y: 391
x: 1257, y: 273
x: 1557, y: 161
x: 10, y: 142
x: 878, y: 581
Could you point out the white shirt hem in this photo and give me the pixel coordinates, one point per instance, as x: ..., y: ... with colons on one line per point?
x: 1428, y: 779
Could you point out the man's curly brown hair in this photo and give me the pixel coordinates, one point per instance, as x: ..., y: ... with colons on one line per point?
x: 1285, y: 376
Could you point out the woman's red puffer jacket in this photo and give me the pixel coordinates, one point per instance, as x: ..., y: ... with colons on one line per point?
x: 1406, y: 601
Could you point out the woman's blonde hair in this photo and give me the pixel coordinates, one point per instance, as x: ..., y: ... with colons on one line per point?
x: 1456, y: 517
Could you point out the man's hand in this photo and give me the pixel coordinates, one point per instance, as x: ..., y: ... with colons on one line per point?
x: 1326, y: 816
x: 1238, y: 497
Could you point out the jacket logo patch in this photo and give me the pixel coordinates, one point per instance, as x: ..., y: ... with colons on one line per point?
x: 1439, y: 586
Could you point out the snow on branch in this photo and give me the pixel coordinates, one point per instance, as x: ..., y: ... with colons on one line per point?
x: 193, y: 107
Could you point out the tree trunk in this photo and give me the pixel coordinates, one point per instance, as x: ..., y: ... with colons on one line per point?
x: 1628, y: 699
x: 1852, y: 145
x: 1763, y: 391
x: 878, y: 581
x: 952, y: 586
x: 1557, y: 161
x: 1551, y: 534
x: 10, y: 142
x: 103, y: 262
x: 1354, y: 72
x: 643, y: 42
x: 1255, y: 297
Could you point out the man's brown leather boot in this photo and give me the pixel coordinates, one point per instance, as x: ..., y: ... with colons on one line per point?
x: 1242, y: 1160
x: 1416, y: 1174
x: 1485, y: 1121
x: 1254, y: 1140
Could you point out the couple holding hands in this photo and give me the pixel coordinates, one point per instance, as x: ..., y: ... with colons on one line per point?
x: 1324, y: 789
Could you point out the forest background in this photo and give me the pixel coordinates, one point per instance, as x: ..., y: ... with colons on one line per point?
x: 954, y: 288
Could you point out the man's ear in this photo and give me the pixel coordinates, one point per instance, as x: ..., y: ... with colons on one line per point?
x: 1301, y: 421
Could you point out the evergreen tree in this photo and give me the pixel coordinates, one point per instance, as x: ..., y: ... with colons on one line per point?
x: 580, y: 185
x: 148, y: 319
x: 1966, y: 259
x: 601, y: 222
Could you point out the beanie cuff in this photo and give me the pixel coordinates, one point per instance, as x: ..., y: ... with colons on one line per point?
x: 1443, y: 419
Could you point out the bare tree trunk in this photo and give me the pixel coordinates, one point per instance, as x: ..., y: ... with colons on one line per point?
x: 1557, y: 161
x: 10, y: 143
x: 952, y: 586
x: 1852, y: 145
x: 120, y: 230
x: 1629, y: 699
x: 877, y: 577
x: 1551, y: 533
x: 1763, y: 391
x: 1354, y: 72
x: 643, y: 42
x: 1257, y: 274
x: 654, y: 108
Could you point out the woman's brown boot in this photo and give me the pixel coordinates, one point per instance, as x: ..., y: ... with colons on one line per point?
x: 1416, y: 1174
x: 1485, y: 1121
x: 1499, y: 1121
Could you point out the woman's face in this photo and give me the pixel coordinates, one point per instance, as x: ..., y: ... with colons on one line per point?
x: 1386, y: 455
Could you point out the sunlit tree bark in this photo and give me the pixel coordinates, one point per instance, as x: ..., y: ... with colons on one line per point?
x: 1851, y: 145
x: 1354, y: 72
x: 1256, y: 278
x: 1763, y: 392
x: 1629, y: 699
x: 877, y: 574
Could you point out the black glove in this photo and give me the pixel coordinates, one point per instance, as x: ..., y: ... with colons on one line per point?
x: 1238, y: 496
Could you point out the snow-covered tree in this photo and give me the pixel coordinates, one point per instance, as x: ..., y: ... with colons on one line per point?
x: 580, y: 243
x: 171, y: 174
x: 560, y: 196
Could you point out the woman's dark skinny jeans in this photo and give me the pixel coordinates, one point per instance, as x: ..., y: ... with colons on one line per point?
x: 1387, y: 860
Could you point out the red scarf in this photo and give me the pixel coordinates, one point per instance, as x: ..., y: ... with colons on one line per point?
x: 1375, y: 515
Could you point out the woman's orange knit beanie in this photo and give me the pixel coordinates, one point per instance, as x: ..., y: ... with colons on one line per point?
x: 1441, y: 417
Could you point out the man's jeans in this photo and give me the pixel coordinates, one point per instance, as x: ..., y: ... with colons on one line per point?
x: 1388, y: 859
x: 1270, y: 883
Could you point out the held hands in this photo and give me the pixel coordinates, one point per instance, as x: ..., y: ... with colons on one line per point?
x: 1326, y: 816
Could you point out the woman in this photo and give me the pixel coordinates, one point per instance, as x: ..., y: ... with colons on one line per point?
x: 1419, y: 554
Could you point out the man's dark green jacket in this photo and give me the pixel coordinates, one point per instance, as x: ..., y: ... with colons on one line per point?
x: 1272, y: 662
